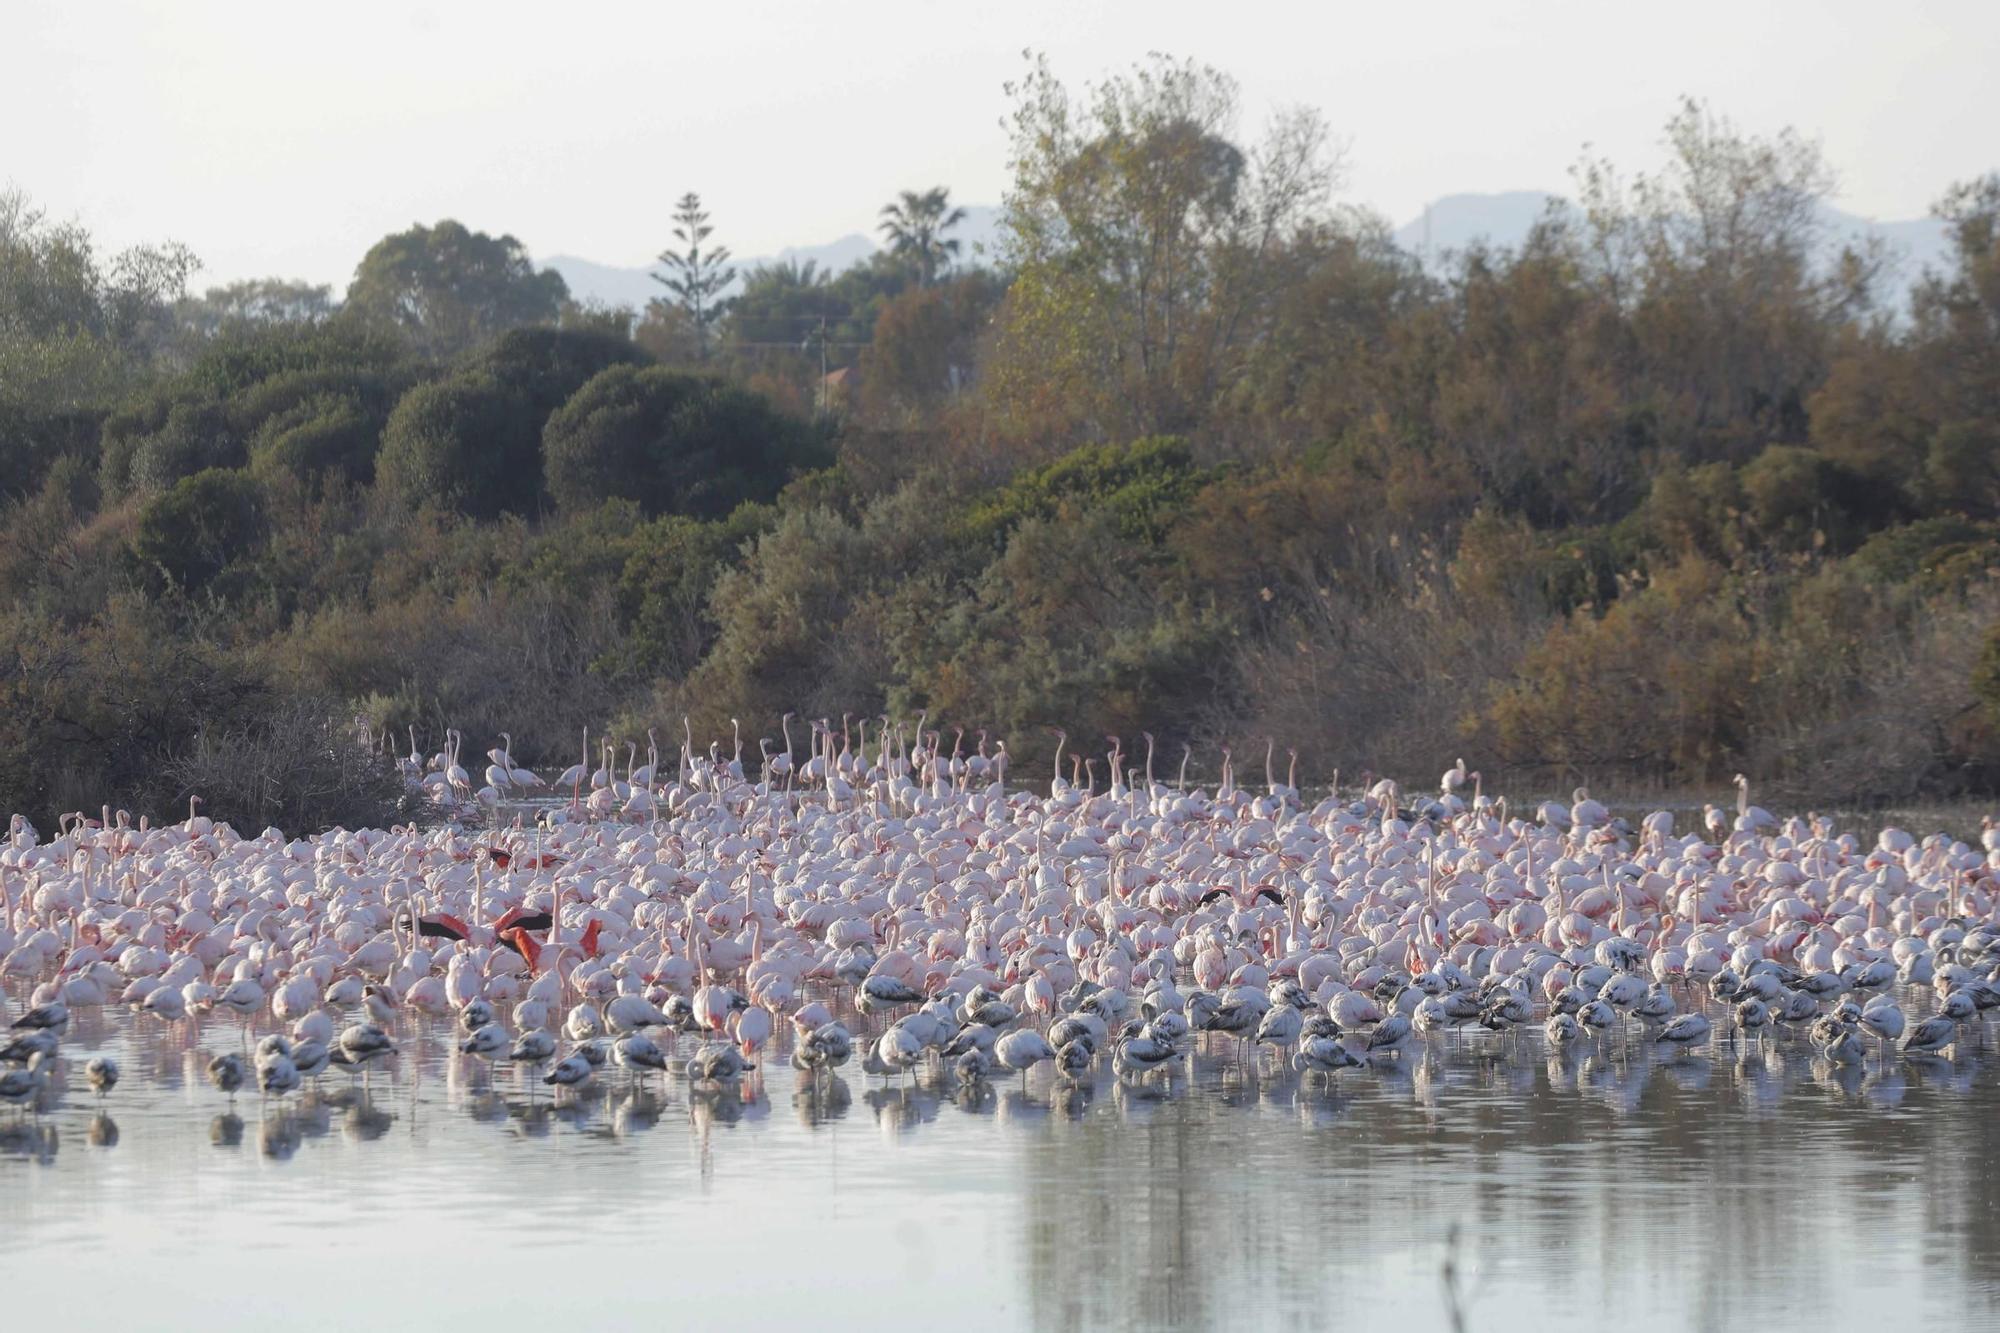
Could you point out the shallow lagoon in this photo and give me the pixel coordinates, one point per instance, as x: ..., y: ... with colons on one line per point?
x: 1750, y: 1186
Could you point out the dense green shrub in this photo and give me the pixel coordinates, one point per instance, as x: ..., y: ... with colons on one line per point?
x: 193, y: 438
x: 545, y: 366
x: 331, y: 434
x: 466, y: 444
x: 1142, y: 486
x: 672, y: 442
x: 194, y: 531
x: 31, y: 440
x: 1901, y: 553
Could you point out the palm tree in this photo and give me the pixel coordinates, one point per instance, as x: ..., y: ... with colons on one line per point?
x: 915, y: 225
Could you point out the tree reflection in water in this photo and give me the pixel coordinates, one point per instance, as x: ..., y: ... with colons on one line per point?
x: 1593, y: 1181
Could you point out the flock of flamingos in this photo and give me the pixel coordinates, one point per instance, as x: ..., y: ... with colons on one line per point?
x: 897, y: 903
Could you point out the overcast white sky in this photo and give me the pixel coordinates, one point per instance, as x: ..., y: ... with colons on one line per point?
x: 282, y: 139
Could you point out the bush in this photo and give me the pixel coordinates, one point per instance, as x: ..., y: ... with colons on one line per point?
x: 1066, y: 626
x: 1899, y: 554
x: 32, y: 441
x: 297, y: 767
x: 546, y: 366
x: 124, y: 710
x: 796, y: 627
x: 1963, y: 467
x: 1800, y: 500
x: 1845, y: 713
x: 197, y: 529
x: 665, y: 589
x: 1986, y: 675
x: 1143, y: 486
x: 90, y: 713
x: 672, y: 442
x: 473, y: 657
x: 1390, y: 676
x: 194, y: 437
x: 326, y: 435
x: 1659, y: 685
x: 465, y: 444
x: 1698, y: 511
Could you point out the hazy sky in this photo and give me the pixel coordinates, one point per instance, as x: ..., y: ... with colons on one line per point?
x: 281, y: 138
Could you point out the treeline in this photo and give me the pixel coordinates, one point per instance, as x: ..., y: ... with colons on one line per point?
x: 1676, y: 487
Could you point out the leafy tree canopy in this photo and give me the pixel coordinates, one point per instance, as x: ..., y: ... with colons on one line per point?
x: 674, y: 442
x: 446, y: 288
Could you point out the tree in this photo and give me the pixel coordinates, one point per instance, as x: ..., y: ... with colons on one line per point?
x: 466, y: 444
x: 677, y: 443
x: 472, y: 442
x: 666, y: 333
x: 210, y: 413
x: 447, y: 289
x: 48, y: 273
x: 255, y: 302
x: 1957, y: 314
x: 696, y: 277
x: 547, y: 366
x: 75, y: 330
x: 793, y: 321
x: 781, y: 302
x: 1320, y: 371
x: 1144, y: 238
x: 594, y: 316
x: 143, y: 286
x: 915, y: 226
x: 1719, y: 264
x: 924, y: 346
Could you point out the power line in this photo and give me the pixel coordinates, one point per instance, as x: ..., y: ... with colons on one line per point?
x: 798, y: 319
x: 800, y: 347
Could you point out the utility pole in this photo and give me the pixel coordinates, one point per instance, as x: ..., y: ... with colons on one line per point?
x: 819, y: 392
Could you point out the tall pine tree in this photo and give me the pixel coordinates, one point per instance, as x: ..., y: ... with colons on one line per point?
x: 696, y: 276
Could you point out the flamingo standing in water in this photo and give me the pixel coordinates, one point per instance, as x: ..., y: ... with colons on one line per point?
x: 1000, y: 928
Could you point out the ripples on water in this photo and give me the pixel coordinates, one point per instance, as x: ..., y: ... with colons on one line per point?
x: 1746, y: 1186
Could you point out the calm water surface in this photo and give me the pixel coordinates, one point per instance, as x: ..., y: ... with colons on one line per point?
x: 1747, y: 1187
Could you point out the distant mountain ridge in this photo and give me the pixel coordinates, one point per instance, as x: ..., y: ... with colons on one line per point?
x: 1457, y: 220
x: 1450, y: 223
